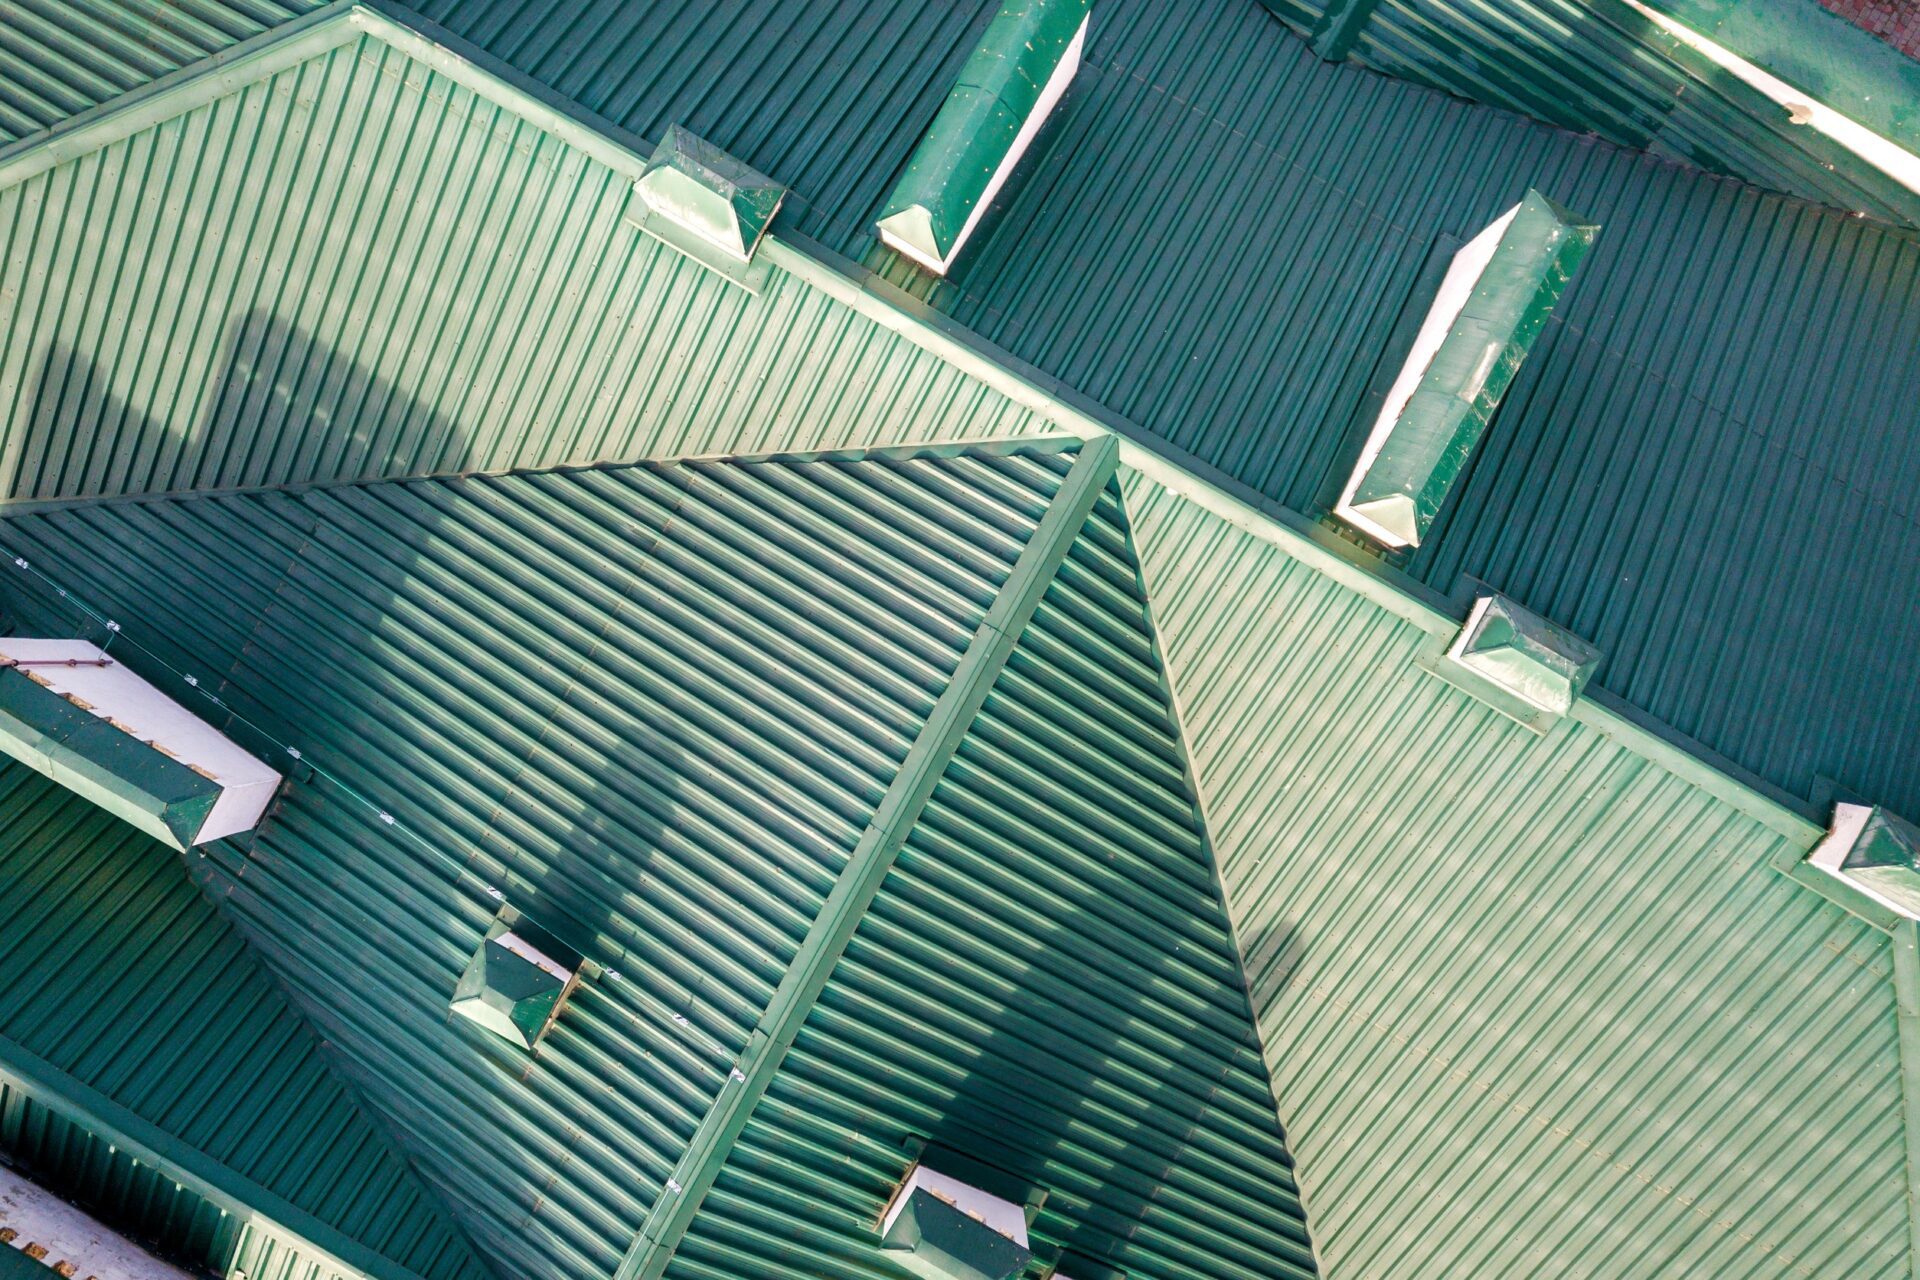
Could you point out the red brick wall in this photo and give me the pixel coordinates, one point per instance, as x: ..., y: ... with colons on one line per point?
x: 1895, y: 21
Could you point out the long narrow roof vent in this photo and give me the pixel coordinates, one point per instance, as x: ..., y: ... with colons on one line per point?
x: 941, y: 1228
x: 517, y: 980
x: 89, y: 723
x: 1492, y: 304
x: 1006, y: 90
x: 1518, y: 662
x: 1876, y: 852
x: 697, y: 199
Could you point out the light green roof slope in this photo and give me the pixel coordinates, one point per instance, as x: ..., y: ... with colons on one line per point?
x: 1533, y: 1006
x: 358, y: 267
x: 119, y: 976
x: 652, y: 706
x: 1045, y: 982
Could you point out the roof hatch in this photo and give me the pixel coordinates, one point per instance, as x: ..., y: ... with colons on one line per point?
x: 1006, y: 90
x: 697, y: 199
x: 88, y: 722
x: 517, y: 980
x: 1492, y: 304
x: 942, y: 1228
x: 1518, y: 662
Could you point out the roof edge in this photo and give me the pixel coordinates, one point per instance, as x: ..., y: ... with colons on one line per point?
x: 187, y: 1165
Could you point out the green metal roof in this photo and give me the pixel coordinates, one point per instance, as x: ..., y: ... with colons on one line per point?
x: 1045, y: 982
x: 1553, y: 987
x: 604, y: 694
x: 1507, y: 1008
x: 1714, y: 327
x: 124, y: 983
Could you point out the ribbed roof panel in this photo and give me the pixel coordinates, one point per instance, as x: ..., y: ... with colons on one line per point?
x: 120, y: 974
x: 358, y: 269
x: 652, y: 707
x: 1045, y: 983
x: 1533, y: 1005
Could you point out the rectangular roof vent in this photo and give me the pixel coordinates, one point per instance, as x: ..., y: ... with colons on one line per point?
x: 1518, y: 662
x: 702, y: 202
x: 88, y: 722
x: 517, y: 980
x: 1491, y: 306
x: 941, y: 1228
x: 1006, y: 90
x: 1876, y: 852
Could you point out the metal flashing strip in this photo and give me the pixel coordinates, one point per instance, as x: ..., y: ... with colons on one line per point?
x: 205, y: 1177
x: 859, y: 881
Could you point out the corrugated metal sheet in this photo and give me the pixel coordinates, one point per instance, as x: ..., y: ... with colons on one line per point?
x: 1533, y: 1006
x: 322, y: 295
x: 1597, y: 66
x: 118, y: 972
x: 1704, y: 465
x: 1045, y: 982
x: 141, y: 1203
x: 1714, y: 330
x: 59, y: 57
x: 652, y: 706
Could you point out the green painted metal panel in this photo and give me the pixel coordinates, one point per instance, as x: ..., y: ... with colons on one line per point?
x: 15, y: 1265
x: 92, y: 758
x: 1716, y: 327
x: 1596, y: 1022
x: 653, y: 707
x: 121, y: 976
x: 321, y: 302
x: 110, y: 1183
x: 1046, y: 983
x: 868, y: 863
x: 954, y: 171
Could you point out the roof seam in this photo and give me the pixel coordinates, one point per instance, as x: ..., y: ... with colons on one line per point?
x: 859, y: 881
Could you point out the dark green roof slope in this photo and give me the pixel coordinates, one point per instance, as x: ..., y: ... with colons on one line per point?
x: 652, y: 706
x: 117, y: 972
x: 1046, y: 982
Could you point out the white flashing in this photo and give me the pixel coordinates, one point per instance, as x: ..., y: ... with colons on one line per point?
x: 74, y: 1243
x: 1056, y: 88
x: 1463, y: 273
x: 113, y: 692
x: 1889, y: 157
x: 1002, y: 1216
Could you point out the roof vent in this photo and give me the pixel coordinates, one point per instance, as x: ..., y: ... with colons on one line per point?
x: 1006, y: 90
x: 1517, y: 662
x: 942, y: 1228
x: 697, y: 199
x: 1492, y: 304
x: 1876, y: 852
x: 517, y: 981
x: 92, y: 725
